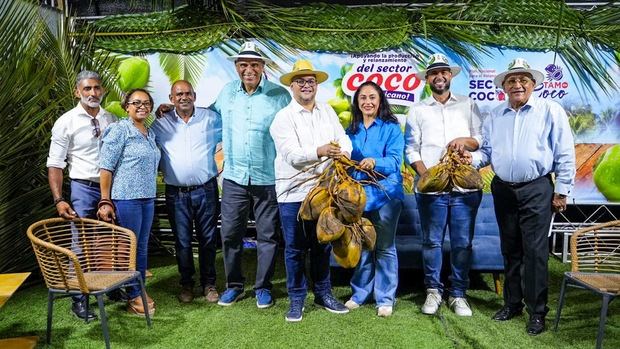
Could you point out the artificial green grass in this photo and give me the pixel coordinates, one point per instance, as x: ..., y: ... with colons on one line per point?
x: 202, y: 324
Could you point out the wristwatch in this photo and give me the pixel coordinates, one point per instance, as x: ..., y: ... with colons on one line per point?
x: 562, y: 196
x: 59, y: 199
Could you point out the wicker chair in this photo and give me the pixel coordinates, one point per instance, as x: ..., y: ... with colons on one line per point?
x: 85, y: 257
x: 595, y: 259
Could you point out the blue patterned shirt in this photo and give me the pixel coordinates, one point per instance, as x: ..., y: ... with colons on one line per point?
x: 133, y: 160
x: 384, y: 142
x: 188, y: 149
x: 528, y: 143
x: 249, y: 151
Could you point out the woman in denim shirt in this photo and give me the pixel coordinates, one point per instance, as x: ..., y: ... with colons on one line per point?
x: 378, y: 145
x: 128, y: 160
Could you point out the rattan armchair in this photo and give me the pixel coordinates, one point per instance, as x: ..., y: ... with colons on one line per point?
x: 595, y: 266
x: 85, y: 257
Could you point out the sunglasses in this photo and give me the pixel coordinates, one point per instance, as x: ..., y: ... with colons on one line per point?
x: 96, y: 129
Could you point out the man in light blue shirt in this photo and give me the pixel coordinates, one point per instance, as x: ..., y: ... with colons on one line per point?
x: 526, y: 139
x: 187, y: 136
x: 247, y: 107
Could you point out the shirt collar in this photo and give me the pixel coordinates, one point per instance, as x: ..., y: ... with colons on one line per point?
x: 299, y: 108
x: 82, y: 111
x: 259, y: 88
x: 432, y: 101
x: 179, y: 118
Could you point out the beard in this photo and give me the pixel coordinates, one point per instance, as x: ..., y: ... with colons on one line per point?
x: 441, y: 90
x: 90, y: 101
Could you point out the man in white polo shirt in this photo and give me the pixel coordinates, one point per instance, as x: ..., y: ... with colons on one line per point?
x: 75, y: 142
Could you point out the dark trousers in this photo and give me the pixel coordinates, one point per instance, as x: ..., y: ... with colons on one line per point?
x: 299, y: 237
x: 236, y: 201
x: 523, y: 214
x: 191, y: 210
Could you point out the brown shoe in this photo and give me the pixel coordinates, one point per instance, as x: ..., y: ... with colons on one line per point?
x: 186, y: 295
x: 136, y: 307
x: 211, y: 294
x: 148, y: 274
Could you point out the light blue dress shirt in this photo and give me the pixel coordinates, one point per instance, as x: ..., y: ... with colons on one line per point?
x: 132, y: 158
x: 249, y: 151
x: 384, y: 142
x: 528, y: 143
x: 188, y: 149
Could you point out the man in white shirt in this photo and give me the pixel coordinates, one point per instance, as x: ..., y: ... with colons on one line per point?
x: 75, y: 142
x: 441, y: 121
x: 303, y: 133
x: 187, y: 136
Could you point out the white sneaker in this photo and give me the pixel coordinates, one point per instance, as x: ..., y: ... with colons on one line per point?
x: 433, y: 301
x: 384, y: 311
x: 460, y: 306
x: 351, y: 304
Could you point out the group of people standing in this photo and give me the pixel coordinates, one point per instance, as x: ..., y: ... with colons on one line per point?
x: 270, y: 140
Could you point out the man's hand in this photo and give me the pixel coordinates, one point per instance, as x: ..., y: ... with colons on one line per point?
x: 163, y: 108
x: 458, y: 144
x: 329, y: 149
x: 65, y: 211
x: 466, y: 157
x: 368, y: 163
x: 106, y: 213
x: 558, y: 203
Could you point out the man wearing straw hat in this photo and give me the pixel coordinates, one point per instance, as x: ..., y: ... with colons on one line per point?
x: 526, y: 139
x: 247, y: 107
x: 444, y: 120
x: 305, y: 132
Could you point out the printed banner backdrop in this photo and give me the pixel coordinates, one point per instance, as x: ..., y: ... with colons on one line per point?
x: 594, y: 117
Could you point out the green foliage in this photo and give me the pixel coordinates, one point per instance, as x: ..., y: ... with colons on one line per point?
x: 183, y: 67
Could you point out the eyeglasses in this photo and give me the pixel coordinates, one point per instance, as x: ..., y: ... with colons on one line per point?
x: 303, y: 82
x: 96, y: 129
x: 138, y: 104
x: 522, y: 81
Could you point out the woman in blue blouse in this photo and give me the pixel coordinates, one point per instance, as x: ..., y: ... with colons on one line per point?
x: 128, y: 162
x: 378, y: 145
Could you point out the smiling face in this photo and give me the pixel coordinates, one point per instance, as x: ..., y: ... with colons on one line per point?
x: 250, y: 71
x: 182, y: 95
x: 368, y: 100
x: 139, y: 106
x: 439, y: 80
x: 519, y: 87
x: 304, y: 89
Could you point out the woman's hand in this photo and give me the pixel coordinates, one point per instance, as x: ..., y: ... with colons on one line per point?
x: 367, y: 163
x: 106, y: 212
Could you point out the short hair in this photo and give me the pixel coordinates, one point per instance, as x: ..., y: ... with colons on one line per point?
x: 125, y: 101
x: 86, y: 74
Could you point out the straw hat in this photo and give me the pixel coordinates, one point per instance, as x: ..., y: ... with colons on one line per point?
x: 249, y: 50
x: 303, y: 67
x: 519, y: 65
x: 438, y: 61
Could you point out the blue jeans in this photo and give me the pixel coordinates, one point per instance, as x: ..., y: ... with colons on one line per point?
x: 189, y: 210
x: 299, y: 236
x: 137, y: 216
x: 458, y: 212
x: 377, y: 272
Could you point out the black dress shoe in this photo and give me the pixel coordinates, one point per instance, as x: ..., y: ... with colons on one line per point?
x: 80, y: 311
x: 536, y: 325
x: 118, y: 295
x: 507, y: 313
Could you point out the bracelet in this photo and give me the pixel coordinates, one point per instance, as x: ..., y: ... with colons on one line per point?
x: 104, y: 202
x: 59, y: 200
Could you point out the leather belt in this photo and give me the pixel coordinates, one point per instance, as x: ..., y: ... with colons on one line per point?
x: 86, y: 182
x: 520, y: 184
x: 190, y: 188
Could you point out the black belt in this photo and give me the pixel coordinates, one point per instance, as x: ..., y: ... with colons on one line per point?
x: 86, y: 182
x: 520, y: 184
x: 189, y: 188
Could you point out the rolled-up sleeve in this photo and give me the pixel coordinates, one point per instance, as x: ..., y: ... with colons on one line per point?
x: 482, y: 156
x: 59, y: 144
x: 413, y: 136
x: 112, y: 145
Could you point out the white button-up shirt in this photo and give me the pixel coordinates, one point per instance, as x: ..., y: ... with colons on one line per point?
x: 431, y: 125
x: 74, y: 143
x: 297, y: 133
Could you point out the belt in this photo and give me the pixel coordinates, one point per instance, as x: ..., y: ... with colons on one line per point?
x: 189, y: 188
x: 520, y: 184
x: 86, y: 182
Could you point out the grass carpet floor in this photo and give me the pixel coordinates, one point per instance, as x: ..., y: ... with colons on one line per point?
x: 201, y: 324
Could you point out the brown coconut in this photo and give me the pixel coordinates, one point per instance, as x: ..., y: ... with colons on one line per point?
x: 329, y: 227
x: 351, y: 200
x: 347, y: 249
x: 315, y: 202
